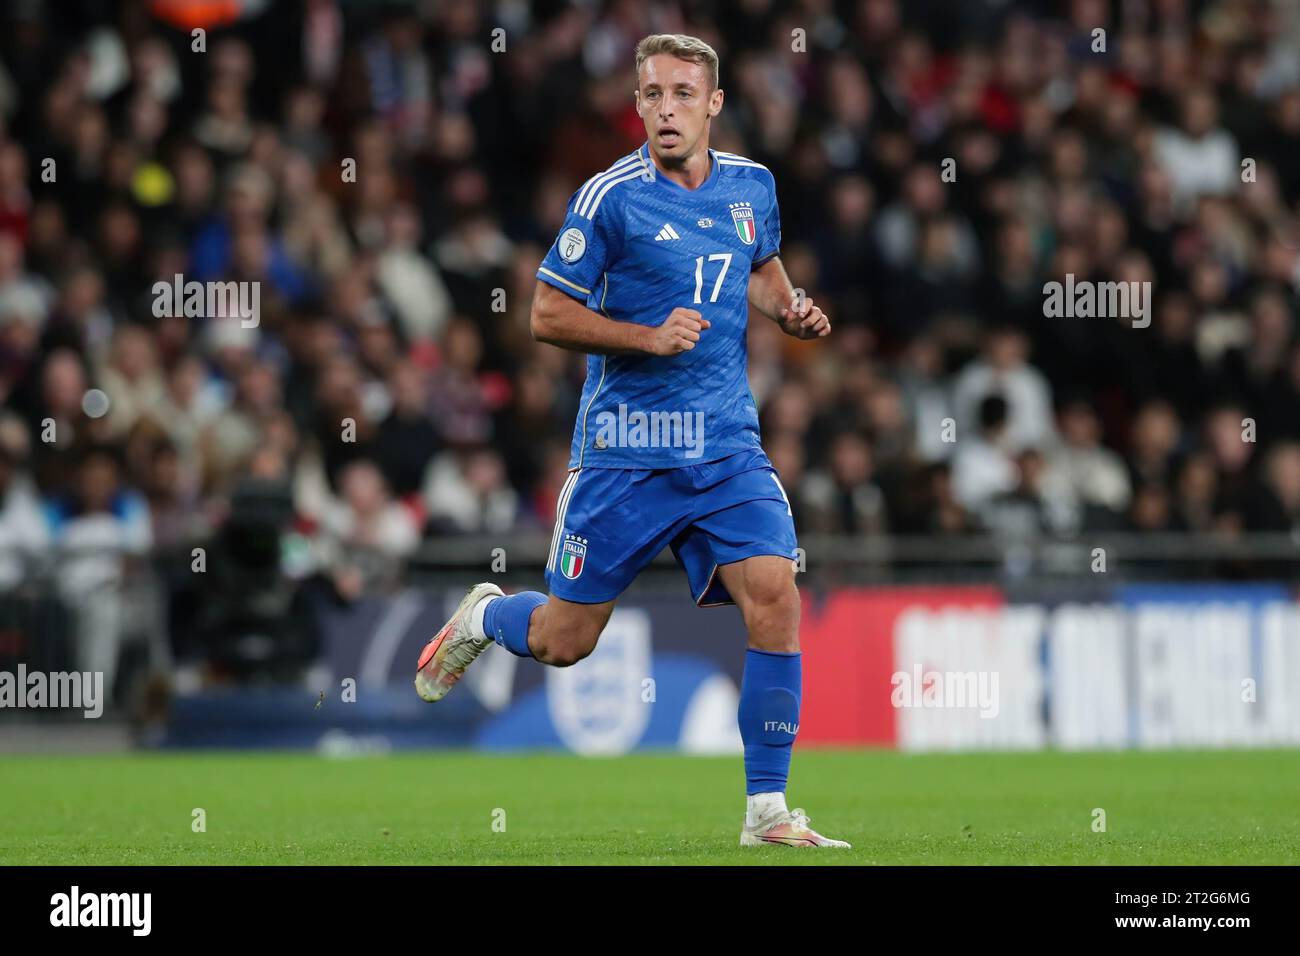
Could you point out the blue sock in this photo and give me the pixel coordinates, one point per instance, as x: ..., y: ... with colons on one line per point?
x: 770, y: 693
x: 505, y: 620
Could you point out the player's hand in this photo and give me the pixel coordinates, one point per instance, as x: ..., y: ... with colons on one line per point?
x: 804, y: 320
x: 679, y: 332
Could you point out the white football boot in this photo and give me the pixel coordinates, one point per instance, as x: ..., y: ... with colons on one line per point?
x: 786, y: 828
x: 452, y: 649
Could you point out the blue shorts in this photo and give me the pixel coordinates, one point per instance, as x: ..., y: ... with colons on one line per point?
x: 612, y: 522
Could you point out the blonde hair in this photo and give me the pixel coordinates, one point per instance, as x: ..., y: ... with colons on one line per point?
x: 683, y: 47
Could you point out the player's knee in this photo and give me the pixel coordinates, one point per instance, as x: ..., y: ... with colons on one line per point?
x: 564, y: 652
x: 772, y: 613
x: 568, y: 656
x: 774, y: 593
x: 564, y: 638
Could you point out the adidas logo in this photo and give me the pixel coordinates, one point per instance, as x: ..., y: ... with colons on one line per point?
x: 666, y: 233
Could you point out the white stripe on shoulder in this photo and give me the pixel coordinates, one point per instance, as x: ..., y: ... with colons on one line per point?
x: 622, y: 165
x: 736, y: 162
x: 735, y: 159
x: 593, y: 203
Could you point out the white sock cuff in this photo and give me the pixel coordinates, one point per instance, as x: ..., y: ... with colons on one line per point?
x: 476, y: 617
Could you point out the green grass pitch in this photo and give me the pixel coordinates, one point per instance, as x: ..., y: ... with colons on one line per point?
x: 1234, y: 807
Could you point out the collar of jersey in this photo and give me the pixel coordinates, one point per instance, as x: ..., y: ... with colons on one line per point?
x: 654, y: 171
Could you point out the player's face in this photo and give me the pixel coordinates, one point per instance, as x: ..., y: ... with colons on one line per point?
x: 676, y: 102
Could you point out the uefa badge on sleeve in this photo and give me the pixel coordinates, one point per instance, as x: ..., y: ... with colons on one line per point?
x: 572, y: 245
x: 742, y: 214
x: 573, y: 556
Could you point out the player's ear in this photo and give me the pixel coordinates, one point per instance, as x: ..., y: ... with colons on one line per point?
x: 715, y: 102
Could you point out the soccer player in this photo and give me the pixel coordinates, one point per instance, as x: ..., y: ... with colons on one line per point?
x: 655, y: 269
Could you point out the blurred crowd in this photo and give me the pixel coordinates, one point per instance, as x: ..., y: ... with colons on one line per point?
x: 391, y: 391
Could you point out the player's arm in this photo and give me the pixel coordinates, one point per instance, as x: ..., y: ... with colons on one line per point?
x: 770, y: 290
x: 771, y: 293
x: 559, y: 319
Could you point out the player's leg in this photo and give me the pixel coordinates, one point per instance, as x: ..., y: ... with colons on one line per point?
x: 741, y: 552
x: 763, y: 588
x: 557, y: 632
x: 527, y: 624
x: 609, y: 524
x: 771, y: 688
x: 771, y: 693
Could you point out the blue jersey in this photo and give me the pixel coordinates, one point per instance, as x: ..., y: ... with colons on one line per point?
x: 634, y: 246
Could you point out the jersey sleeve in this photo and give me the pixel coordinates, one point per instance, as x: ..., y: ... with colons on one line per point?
x: 769, y: 234
x: 587, y: 244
